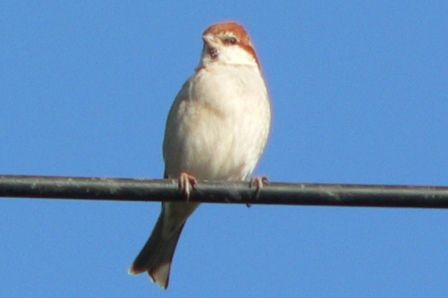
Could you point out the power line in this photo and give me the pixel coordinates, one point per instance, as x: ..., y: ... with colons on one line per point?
x: 86, y: 188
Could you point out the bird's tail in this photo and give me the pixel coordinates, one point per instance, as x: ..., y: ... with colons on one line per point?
x: 157, y: 254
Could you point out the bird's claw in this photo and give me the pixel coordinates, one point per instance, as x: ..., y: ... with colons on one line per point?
x: 258, y: 183
x: 186, y: 184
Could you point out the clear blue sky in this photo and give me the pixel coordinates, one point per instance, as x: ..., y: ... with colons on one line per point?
x: 360, y: 95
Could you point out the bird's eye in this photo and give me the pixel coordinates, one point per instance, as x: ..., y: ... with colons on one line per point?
x: 230, y: 40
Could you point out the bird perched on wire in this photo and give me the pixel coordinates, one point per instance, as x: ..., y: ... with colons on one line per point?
x: 217, y: 129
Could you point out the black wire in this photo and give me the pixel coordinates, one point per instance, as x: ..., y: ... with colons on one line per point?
x: 224, y: 192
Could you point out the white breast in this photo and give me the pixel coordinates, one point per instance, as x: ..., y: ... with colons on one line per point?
x: 219, y: 123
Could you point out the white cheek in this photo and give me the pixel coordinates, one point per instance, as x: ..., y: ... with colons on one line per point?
x: 235, y: 55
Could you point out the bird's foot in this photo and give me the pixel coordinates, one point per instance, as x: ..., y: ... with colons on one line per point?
x: 258, y: 183
x: 186, y: 184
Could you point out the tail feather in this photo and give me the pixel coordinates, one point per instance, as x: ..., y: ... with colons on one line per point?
x: 157, y: 254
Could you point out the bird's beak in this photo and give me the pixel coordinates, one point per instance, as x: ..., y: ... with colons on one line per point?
x: 208, y: 39
x: 210, y: 45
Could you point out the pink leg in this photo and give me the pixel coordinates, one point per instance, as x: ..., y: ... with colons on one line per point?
x: 258, y: 182
x: 186, y: 184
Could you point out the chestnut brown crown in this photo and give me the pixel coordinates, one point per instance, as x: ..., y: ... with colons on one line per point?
x: 230, y: 34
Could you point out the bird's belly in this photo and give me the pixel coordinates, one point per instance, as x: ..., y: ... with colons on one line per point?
x: 213, y: 153
x: 215, y: 149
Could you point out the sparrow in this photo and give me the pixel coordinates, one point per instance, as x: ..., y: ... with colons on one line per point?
x: 217, y: 129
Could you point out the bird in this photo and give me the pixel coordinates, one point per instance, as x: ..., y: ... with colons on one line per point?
x: 217, y: 129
